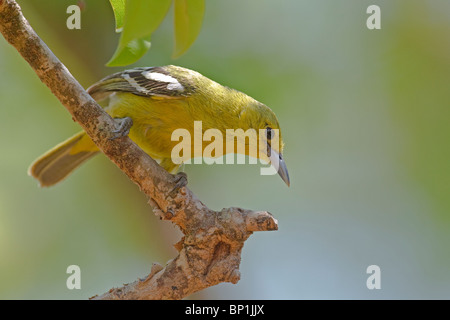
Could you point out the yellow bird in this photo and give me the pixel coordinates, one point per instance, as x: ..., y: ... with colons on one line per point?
x: 160, y: 100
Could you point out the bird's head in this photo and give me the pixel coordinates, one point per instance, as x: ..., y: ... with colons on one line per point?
x: 258, y: 116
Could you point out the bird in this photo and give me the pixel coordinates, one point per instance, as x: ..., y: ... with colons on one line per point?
x: 157, y: 101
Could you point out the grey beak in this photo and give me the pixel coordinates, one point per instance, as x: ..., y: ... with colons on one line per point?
x: 277, y: 159
x: 283, y: 171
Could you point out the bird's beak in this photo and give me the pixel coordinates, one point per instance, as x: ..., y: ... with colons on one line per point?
x: 275, y: 159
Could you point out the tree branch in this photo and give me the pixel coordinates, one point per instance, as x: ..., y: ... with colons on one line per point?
x: 210, y: 251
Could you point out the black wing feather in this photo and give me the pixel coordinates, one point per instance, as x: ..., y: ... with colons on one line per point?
x: 134, y: 81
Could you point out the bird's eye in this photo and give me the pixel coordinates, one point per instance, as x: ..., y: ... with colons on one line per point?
x: 269, y: 133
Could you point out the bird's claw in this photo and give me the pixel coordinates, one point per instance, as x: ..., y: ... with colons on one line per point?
x: 181, y: 181
x: 123, y: 127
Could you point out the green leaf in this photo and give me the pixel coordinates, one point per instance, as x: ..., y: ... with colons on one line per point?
x: 118, y: 7
x: 188, y: 22
x: 142, y: 18
x: 129, y: 53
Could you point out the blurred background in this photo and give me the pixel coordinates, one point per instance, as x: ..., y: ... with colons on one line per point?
x: 365, y: 116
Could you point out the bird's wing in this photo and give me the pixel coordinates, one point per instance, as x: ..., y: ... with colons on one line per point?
x: 147, y: 82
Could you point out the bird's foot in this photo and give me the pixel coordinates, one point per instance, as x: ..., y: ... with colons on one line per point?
x: 123, y: 127
x: 181, y: 181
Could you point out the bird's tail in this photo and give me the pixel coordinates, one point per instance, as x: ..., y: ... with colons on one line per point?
x: 57, y: 163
